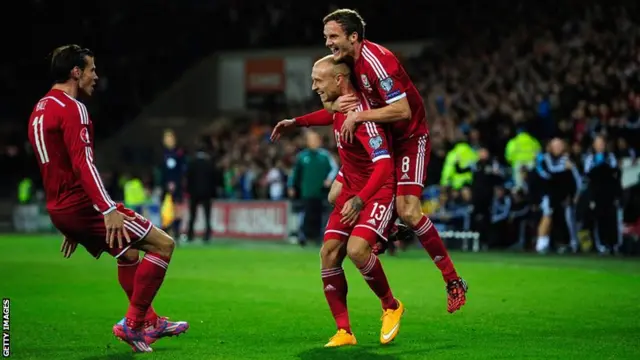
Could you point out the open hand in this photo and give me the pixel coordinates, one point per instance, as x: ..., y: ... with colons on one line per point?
x: 68, y: 247
x: 282, y: 127
x: 114, y: 222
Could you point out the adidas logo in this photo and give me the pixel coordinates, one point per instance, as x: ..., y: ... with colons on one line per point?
x: 405, y: 177
x: 372, y: 222
x: 329, y: 288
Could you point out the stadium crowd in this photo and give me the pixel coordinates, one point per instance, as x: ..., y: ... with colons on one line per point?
x: 535, y: 75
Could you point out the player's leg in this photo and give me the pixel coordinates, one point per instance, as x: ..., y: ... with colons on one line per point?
x: 158, y: 247
x: 544, y: 226
x: 332, y: 254
x: 359, y: 250
x: 412, y: 158
x: 149, y: 275
x: 334, y: 282
x: 127, y: 266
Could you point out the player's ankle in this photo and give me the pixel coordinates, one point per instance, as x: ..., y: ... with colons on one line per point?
x: 134, y: 324
x: 390, y: 304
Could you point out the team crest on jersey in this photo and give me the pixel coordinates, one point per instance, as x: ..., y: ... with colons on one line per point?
x: 375, y: 142
x: 365, y: 82
x: 84, y: 135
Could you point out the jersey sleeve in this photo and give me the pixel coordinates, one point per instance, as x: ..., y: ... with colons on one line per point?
x: 76, y: 131
x: 317, y: 118
x: 373, y: 139
x: 387, y: 75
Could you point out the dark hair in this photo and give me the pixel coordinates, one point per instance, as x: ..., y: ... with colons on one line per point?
x: 65, y: 58
x: 350, y: 21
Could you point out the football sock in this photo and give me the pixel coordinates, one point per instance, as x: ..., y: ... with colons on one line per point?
x: 431, y: 241
x: 374, y: 275
x: 148, y: 279
x: 335, y: 290
x: 126, y: 275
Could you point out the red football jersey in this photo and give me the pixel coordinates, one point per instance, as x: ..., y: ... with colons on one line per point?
x: 357, y: 158
x: 61, y: 134
x: 383, y: 80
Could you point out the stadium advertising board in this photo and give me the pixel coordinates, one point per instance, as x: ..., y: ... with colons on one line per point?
x: 250, y: 220
x: 253, y: 77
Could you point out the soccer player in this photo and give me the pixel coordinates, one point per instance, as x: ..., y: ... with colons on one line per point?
x: 362, y: 211
x: 61, y: 134
x: 394, y: 101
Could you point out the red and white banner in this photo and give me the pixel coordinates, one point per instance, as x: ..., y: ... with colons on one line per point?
x: 251, y: 220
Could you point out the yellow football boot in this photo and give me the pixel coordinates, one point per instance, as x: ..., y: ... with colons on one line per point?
x: 341, y: 338
x: 391, y: 323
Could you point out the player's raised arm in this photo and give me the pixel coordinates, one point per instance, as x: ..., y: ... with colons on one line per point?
x: 77, y: 139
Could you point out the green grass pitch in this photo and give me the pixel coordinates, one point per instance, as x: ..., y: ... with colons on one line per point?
x: 265, y: 301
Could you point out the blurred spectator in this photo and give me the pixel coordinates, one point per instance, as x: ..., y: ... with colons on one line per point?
x: 313, y: 172
x: 500, y: 212
x: 203, y: 182
x: 486, y: 175
x: 604, y: 193
x: 275, y: 180
x: 173, y: 168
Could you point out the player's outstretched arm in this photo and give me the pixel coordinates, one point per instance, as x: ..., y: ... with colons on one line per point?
x: 75, y: 127
x: 317, y: 118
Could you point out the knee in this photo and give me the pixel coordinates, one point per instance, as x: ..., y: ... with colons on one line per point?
x: 168, y: 246
x: 409, y: 211
x: 163, y: 243
x: 331, y: 255
x: 359, y: 252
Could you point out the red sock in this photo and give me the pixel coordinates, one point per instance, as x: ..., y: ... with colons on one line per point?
x: 374, y: 275
x: 126, y: 276
x: 335, y: 290
x: 431, y: 241
x: 147, y: 281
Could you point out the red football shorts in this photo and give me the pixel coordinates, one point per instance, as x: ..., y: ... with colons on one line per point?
x: 411, y: 158
x: 374, y: 220
x: 86, y: 227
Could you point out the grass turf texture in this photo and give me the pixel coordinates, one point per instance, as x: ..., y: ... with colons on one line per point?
x: 265, y: 301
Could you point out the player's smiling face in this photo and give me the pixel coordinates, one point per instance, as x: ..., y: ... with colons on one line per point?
x: 89, y: 76
x: 324, y: 82
x: 337, y: 41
